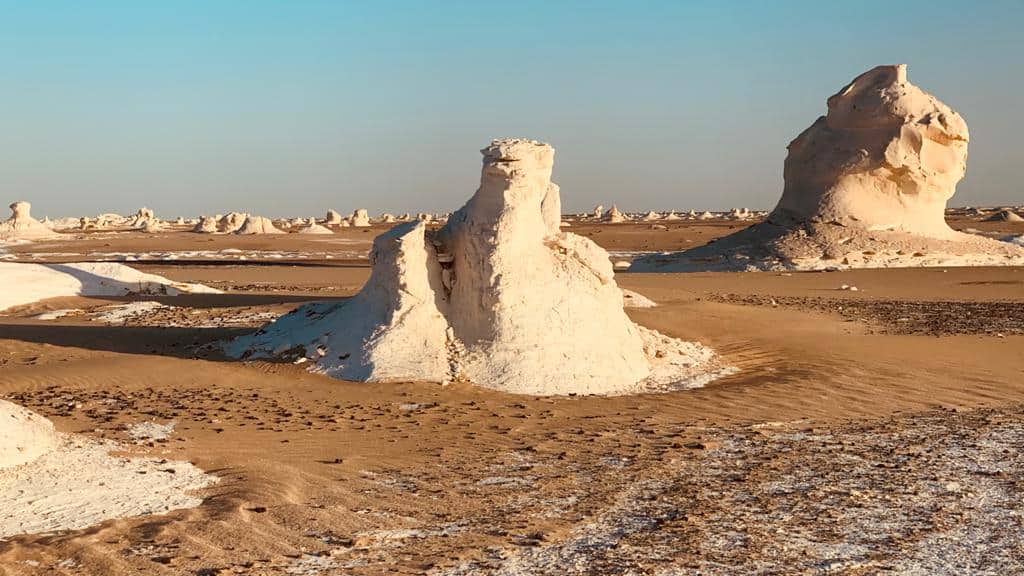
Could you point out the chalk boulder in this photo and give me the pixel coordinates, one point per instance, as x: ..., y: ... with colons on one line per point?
x: 499, y: 296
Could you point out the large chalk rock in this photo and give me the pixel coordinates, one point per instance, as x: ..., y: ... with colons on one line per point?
x: 392, y: 330
x: 538, y: 310
x: 866, y: 185
x: 24, y: 435
x: 22, y: 226
x: 887, y: 156
x: 499, y: 296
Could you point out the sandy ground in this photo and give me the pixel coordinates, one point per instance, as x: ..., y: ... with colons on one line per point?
x: 868, y: 431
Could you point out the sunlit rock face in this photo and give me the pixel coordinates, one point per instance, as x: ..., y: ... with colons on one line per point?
x: 499, y: 296
x: 886, y: 156
x: 22, y: 226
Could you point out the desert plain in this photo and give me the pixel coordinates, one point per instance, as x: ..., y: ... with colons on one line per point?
x: 865, y: 431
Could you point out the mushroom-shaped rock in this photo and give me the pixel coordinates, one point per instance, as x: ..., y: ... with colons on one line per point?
x: 24, y: 435
x: 887, y: 156
x: 866, y: 186
x: 22, y: 226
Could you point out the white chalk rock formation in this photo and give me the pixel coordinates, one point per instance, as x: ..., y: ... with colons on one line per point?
x: 313, y: 228
x: 387, y: 218
x: 24, y: 435
x: 232, y: 222
x: 333, y: 218
x: 391, y: 330
x: 887, y: 156
x: 22, y: 226
x: 598, y: 211
x: 499, y: 296
x: 258, y: 225
x: 360, y: 218
x: 613, y: 216
x: 142, y: 218
x: 651, y: 216
x: 1005, y: 215
x: 206, y: 225
x: 866, y: 185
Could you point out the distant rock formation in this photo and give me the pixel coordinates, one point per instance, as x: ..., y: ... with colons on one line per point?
x: 360, y: 218
x: 499, y: 296
x: 613, y: 216
x: 1005, y: 215
x: 232, y: 222
x: 22, y: 226
x: 142, y: 218
x: 206, y: 225
x: 313, y: 228
x: 258, y: 225
x: 865, y: 186
x: 333, y: 218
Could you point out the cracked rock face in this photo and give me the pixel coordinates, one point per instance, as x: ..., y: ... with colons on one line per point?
x: 499, y: 296
x: 887, y: 156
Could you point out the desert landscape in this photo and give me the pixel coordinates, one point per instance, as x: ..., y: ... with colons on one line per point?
x: 828, y: 380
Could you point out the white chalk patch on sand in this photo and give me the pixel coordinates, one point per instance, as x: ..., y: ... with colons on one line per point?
x: 632, y: 299
x: 142, y: 432
x: 55, y: 314
x: 79, y: 484
x: 27, y: 283
x: 121, y: 313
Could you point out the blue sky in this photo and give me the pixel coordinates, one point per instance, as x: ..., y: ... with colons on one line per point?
x: 291, y: 107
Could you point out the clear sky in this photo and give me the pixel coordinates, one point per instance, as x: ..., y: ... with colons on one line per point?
x: 292, y: 107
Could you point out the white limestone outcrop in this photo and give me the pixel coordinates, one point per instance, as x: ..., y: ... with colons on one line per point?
x: 499, y: 296
x: 258, y: 225
x: 22, y: 226
x: 866, y: 186
x: 360, y: 218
